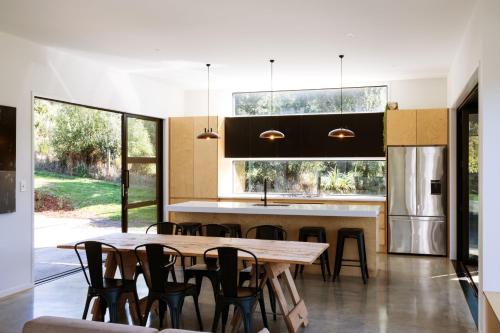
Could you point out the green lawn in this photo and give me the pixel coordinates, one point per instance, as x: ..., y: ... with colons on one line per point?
x: 95, y: 198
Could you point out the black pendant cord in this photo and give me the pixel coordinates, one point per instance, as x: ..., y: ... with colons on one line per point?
x: 208, y: 98
x: 341, y: 86
x: 272, y: 91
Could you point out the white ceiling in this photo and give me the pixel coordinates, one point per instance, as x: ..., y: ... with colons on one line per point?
x: 173, y: 39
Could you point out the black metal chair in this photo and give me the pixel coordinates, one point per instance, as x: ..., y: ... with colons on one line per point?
x: 269, y: 232
x: 168, y: 294
x: 320, y: 234
x: 189, y: 229
x: 242, y: 298
x: 162, y: 228
x: 109, y: 290
x: 359, y: 236
x: 209, y: 269
x: 235, y: 229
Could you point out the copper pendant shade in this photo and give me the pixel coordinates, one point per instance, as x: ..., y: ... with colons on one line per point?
x: 208, y: 133
x: 341, y: 132
x: 272, y: 134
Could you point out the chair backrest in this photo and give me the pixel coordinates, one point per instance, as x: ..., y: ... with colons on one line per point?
x: 94, y: 253
x: 269, y: 232
x: 163, y: 228
x: 229, y: 271
x: 157, y: 261
x: 215, y: 230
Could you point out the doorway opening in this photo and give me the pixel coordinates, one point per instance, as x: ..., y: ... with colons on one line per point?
x: 468, y: 180
x: 97, y: 172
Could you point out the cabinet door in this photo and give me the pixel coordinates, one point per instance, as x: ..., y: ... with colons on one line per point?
x: 401, y: 128
x: 181, y: 157
x: 432, y: 127
x: 205, y: 160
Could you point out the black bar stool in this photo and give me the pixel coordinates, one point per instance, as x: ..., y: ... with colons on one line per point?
x: 320, y: 234
x: 359, y: 236
x: 235, y: 229
x: 189, y: 229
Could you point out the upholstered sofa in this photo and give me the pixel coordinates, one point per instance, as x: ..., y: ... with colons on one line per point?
x: 68, y: 325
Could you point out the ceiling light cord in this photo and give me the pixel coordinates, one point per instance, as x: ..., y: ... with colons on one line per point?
x: 341, y: 84
x: 272, y: 91
x: 208, y: 97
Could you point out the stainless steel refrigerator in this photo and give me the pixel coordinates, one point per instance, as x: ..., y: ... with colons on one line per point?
x: 417, y: 200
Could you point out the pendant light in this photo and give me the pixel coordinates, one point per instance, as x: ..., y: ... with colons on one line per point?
x: 272, y: 134
x: 208, y: 133
x: 341, y: 132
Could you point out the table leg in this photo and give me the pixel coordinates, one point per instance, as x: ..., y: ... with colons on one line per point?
x: 296, y: 316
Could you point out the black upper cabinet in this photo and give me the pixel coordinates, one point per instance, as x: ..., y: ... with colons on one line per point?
x: 305, y: 136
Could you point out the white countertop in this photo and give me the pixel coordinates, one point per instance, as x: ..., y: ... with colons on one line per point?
x: 293, y: 209
x: 365, y: 198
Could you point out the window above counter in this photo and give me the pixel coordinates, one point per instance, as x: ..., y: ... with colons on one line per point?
x: 310, y: 178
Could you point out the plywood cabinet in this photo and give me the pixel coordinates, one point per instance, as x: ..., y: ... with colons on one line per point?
x: 193, y: 163
x: 425, y: 127
x: 205, y: 161
x: 181, y: 152
x: 432, y: 127
x: 401, y: 127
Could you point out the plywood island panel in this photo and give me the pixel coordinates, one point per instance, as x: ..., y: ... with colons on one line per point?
x: 292, y: 224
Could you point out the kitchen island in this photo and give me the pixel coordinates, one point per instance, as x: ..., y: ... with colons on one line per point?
x: 291, y: 217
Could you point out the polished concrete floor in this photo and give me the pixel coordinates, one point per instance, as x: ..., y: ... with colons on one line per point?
x: 410, y: 294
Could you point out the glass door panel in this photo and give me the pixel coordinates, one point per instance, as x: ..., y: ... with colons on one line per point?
x: 142, y: 182
x: 467, y: 185
x: 141, y: 218
x: 473, y: 193
x: 142, y: 137
x: 142, y: 185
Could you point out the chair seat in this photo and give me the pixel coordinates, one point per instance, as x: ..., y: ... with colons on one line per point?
x: 248, y: 271
x: 317, y: 229
x: 116, y: 283
x: 178, y: 287
x: 202, y: 267
x: 350, y: 231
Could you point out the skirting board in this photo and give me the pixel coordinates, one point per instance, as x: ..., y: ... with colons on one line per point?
x: 11, y: 291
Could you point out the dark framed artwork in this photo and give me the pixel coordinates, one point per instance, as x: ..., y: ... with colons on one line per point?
x: 7, y: 159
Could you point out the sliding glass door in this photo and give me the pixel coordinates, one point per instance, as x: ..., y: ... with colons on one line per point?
x: 142, y: 172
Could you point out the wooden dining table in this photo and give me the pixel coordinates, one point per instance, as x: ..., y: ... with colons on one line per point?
x: 275, y: 256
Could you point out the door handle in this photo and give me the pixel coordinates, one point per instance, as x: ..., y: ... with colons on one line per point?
x: 126, y: 179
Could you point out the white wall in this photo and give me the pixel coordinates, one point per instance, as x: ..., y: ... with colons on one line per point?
x: 27, y: 69
x: 480, y: 51
x: 419, y: 94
